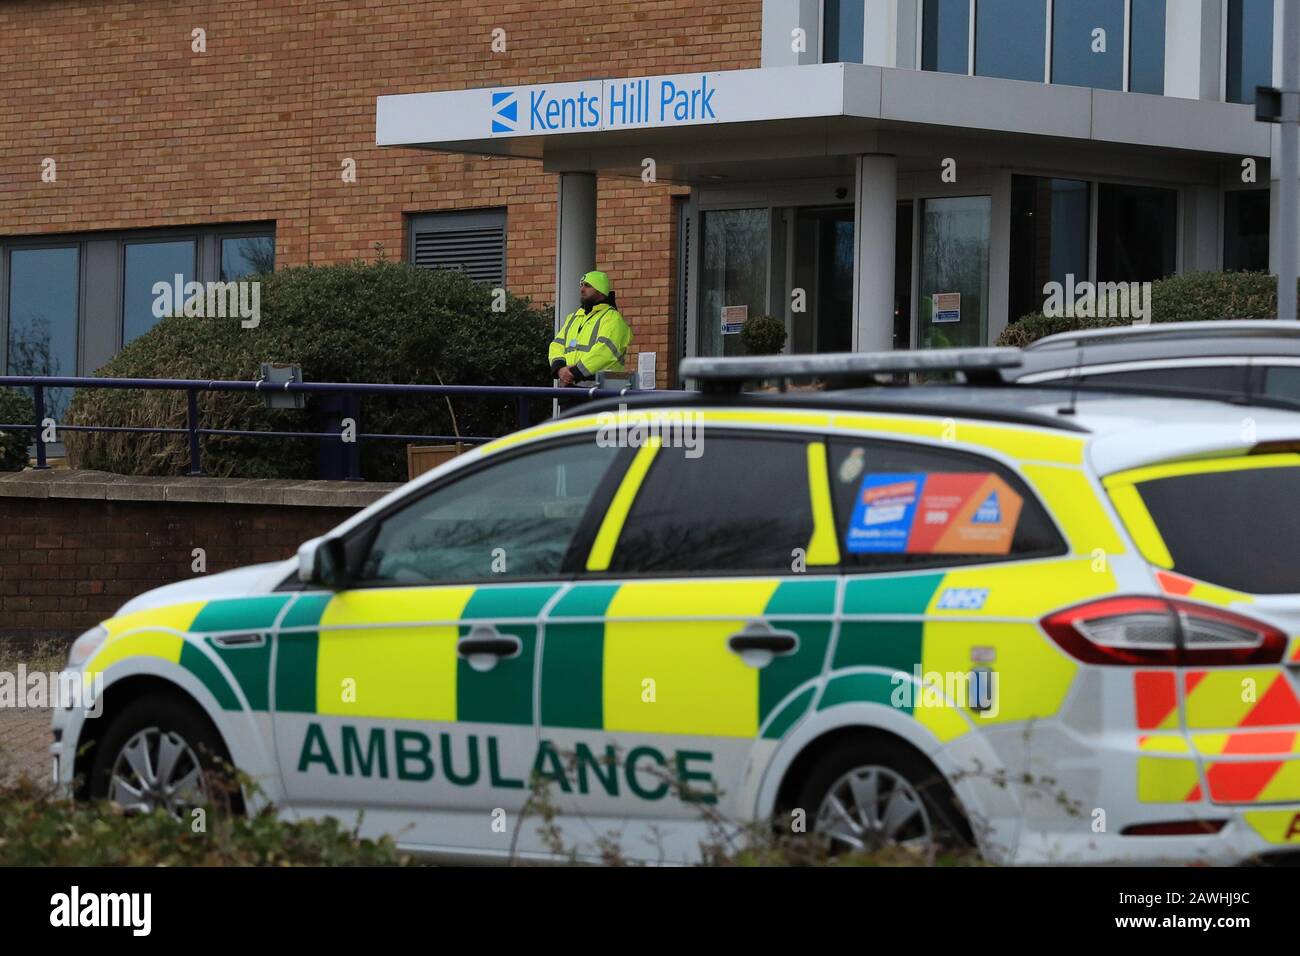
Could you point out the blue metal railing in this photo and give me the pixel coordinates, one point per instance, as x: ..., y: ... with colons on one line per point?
x: 351, y: 391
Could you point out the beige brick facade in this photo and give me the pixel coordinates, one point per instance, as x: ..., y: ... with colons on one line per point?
x: 146, y: 132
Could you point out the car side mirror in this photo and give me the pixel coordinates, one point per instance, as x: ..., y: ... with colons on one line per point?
x: 323, y: 562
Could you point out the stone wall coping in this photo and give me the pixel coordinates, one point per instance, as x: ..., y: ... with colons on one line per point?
x: 67, y: 483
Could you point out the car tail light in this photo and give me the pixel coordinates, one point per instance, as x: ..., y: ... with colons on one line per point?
x: 1145, y: 631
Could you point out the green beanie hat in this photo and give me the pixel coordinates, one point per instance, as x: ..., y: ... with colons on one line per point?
x: 598, y: 281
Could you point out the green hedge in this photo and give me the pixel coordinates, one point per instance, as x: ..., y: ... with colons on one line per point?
x: 382, y: 322
x: 1190, y: 297
x: 15, y: 407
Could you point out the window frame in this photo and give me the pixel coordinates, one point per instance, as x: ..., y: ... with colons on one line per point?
x: 792, y: 436
x: 1003, y: 469
x: 362, y: 537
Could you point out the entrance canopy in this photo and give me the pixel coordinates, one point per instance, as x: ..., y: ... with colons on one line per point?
x: 803, y: 121
x: 954, y: 139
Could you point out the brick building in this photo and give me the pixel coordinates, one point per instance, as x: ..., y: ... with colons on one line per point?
x: 866, y: 157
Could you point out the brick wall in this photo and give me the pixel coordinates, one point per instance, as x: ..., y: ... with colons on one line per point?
x: 69, y: 563
x: 146, y: 132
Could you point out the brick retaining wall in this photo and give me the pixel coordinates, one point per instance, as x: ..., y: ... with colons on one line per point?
x: 74, y: 546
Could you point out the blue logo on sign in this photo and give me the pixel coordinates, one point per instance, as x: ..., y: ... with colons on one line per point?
x: 505, y: 106
x: 989, y: 512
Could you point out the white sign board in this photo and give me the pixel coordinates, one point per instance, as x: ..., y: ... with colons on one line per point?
x: 686, y: 99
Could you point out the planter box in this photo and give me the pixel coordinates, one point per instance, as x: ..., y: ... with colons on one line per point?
x: 422, y: 458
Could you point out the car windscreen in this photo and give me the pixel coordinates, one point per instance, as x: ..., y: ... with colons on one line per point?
x: 1237, y: 528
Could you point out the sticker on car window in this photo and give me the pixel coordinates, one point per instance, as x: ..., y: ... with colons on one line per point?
x: 969, y: 512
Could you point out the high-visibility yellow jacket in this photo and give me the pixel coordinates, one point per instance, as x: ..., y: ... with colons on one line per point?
x: 591, y: 341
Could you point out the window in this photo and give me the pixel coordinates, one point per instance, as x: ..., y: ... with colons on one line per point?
x: 1049, y: 238
x: 1088, y: 43
x: 1245, y: 230
x: 945, y: 36
x: 246, y: 255
x: 509, y: 521
x: 43, y: 306
x: 1146, y: 71
x: 96, y: 291
x: 1011, y: 38
x: 954, y: 262
x: 842, y: 21
x: 741, y: 506
x: 733, y: 270
x: 147, y: 264
x: 1282, y: 382
x: 900, y: 506
x: 1214, y: 379
x: 473, y: 242
x: 1237, y: 528
x: 1249, y: 48
x: 1136, y: 233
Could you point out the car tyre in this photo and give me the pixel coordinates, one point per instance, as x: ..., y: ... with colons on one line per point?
x: 162, y: 752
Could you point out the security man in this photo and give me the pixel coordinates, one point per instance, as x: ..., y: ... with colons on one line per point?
x: 593, y: 338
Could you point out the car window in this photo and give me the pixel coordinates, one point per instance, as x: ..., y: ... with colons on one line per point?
x: 741, y: 504
x: 1239, y: 529
x: 1219, y: 379
x: 1283, y: 382
x: 510, y: 520
x: 901, y: 506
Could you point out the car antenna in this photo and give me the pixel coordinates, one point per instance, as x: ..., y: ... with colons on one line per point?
x: 1074, y: 385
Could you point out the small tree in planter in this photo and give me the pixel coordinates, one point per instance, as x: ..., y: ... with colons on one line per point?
x: 763, y: 335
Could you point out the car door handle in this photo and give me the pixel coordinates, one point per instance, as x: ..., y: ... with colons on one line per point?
x: 759, y: 642
x: 484, y: 645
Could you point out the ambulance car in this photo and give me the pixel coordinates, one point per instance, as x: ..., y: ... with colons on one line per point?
x: 1063, y: 626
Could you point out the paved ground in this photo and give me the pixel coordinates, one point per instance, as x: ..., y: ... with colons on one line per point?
x: 25, y: 743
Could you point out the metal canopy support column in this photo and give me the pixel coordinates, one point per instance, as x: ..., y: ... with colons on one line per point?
x: 873, y: 253
x: 575, y: 238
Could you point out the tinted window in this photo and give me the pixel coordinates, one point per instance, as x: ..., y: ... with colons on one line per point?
x: 945, y: 36
x: 1283, y: 381
x: 741, y: 505
x: 1227, y: 380
x: 1250, y: 48
x: 1136, y: 233
x: 1245, y: 230
x: 512, y: 520
x: 1049, y: 238
x: 1010, y: 38
x: 1238, y: 529
x: 148, y: 263
x: 842, y: 20
x: 246, y: 255
x: 1147, y: 47
x: 902, y: 506
x: 43, y: 317
x: 1088, y: 43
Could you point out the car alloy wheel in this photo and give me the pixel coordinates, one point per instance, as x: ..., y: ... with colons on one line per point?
x: 874, y: 808
x: 157, y: 769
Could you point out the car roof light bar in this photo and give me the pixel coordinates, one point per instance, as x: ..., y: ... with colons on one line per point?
x: 730, y: 373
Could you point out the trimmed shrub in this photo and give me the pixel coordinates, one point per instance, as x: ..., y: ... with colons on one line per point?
x: 763, y: 335
x: 15, y: 407
x: 384, y: 322
x: 1191, y: 297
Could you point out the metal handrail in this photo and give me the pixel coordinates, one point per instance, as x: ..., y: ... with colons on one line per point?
x: 353, y: 390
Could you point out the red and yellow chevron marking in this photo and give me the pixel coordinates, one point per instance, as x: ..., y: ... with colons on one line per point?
x: 1295, y: 649
x: 1179, y: 585
x: 1165, y: 780
x: 1275, y: 826
x: 1239, y: 697
x: 1156, y: 696
x: 1254, y: 781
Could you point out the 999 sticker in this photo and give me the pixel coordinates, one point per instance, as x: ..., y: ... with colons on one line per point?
x: 969, y: 512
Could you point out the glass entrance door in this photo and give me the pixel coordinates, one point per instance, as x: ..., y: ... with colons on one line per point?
x: 953, y: 290
x: 822, y: 267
